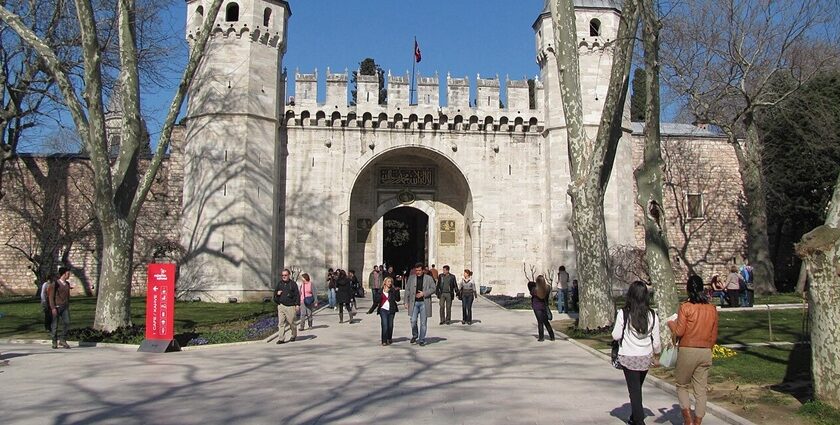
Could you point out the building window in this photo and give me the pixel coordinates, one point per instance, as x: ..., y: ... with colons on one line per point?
x: 232, y: 12
x: 694, y: 203
x: 199, y: 15
x: 595, y: 28
x: 266, y: 17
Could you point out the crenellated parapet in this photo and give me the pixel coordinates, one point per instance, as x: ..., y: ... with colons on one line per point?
x: 260, y: 22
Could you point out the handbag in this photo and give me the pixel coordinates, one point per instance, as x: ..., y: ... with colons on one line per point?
x: 548, y: 313
x: 617, y: 344
x: 668, y: 358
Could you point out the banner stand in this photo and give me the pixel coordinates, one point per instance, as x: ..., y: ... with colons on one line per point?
x: 159, y: 346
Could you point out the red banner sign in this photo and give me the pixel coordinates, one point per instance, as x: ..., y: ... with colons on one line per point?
x: 160, y: 301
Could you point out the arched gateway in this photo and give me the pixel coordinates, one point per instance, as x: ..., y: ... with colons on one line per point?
x: 410, y: 204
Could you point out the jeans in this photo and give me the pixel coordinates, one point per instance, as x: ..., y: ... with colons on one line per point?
x: 542, y: 322
x: 635, y: 379
x: 721, y: 295
x: 63, y: 316
x: 331, y: 297
x: 386, y: 318
x: 562, y: 294
x: 418, y: 320
x: 306, y: 314
x: 466, y: 308
x: 445, y: 301
x: 746, y: 298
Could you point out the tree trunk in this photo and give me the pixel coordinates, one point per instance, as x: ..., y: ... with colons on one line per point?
x: 752, y: 175
x: 597, y: 308
x: 113, y: 308
x: 649, y: 176
x: 820, y: 249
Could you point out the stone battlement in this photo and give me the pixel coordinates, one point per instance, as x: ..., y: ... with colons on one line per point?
x: 484, y: 100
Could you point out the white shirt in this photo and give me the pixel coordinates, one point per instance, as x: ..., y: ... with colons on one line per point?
x: 387, y: 305
x: 634, y: 343
x: 44, y: 292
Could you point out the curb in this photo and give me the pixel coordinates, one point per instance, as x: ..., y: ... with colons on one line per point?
x: 719, y: 412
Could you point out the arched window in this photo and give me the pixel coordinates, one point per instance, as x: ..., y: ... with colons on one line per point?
x: 595, y: 28
x: 198, y: 19
x: 232, y: 12
x: 266, y: 17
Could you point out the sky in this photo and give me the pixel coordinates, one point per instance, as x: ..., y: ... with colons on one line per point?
x: 461, y: 37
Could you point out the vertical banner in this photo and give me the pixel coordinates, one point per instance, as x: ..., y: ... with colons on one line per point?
x: 160, y: 301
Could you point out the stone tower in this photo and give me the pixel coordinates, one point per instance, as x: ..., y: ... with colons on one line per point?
x: 233, y: 153
x: 597, y: 24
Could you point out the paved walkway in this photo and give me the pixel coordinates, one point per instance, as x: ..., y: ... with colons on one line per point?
x: 494, y: 372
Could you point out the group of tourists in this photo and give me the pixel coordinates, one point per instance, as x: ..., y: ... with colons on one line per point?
x: 694, y: 331
x: 55, y: 303
x: 736, y: 290
x: 420, y: 286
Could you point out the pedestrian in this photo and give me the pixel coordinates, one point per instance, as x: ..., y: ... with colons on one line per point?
x: 696, y: 328
x: 45, y: 305
x: 419, y: 288
x: 747, y: 294
x: 718, y: 289
x: 733, y: 286
x: 434, y: 272
x: 445, y: 290
x: 375, y: 283
x: 58, y: 297
x: 539, y: 303
x: 331, y: 288
x: 287, y: 298
x: 466, y: 293
x: 308, y: 300
x: 344, y: 296
x: 562, y: 290
x: 637, y: 331
x: 575, y: 293
x: 385, y: 303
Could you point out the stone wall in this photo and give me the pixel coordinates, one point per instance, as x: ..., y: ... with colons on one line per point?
x: 706, y: 240
x: 47, y: 217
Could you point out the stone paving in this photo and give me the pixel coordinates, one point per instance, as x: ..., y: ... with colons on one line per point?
x: 493, y: 372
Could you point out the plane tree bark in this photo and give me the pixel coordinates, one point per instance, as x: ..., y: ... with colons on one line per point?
x: 118, y: 192
x: 591, y: 161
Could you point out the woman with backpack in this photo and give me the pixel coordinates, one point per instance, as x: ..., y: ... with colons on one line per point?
x: 697, y: 329
x: 308, y: 300
x: 637, y: 331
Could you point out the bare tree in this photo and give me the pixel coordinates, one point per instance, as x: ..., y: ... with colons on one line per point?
x: 591, y: 161
x: 119, y: 188
x: 726, y: 58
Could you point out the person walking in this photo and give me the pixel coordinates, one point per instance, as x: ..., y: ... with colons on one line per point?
x: 58, y: 297
x: 446, y: 288
x: 375, y: 280
x: 385, y: 304
x: 733, y: 286
x: 696, y: 328
x: 637, y: 330
x: 419, y: 288
x: 344, y: 296
x: 308, y: 300
x: 562, y: 290
x: 539, y: 303
x: 45, y: 305
x: 287, y: 298
x: 331, y: 288
x: 466, y: 293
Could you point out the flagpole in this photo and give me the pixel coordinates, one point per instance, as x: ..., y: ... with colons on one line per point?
x: 413, y: 65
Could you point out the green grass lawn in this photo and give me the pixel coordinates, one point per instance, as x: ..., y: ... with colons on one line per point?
x: 23, y: 318
x: 742, y: 327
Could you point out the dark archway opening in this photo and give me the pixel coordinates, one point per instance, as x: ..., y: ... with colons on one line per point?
x: 405, y: 241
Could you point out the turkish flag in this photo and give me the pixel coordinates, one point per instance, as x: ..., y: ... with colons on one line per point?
x: 417, y: 55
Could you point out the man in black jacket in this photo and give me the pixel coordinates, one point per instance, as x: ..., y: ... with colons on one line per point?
x: 287, y: 297
x: 446, y: 288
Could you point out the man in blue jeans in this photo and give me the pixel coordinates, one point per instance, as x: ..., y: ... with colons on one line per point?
x: 418, y: 301
x: 562, y: 290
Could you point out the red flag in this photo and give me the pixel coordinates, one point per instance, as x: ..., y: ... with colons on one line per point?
x: 417, y: 55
